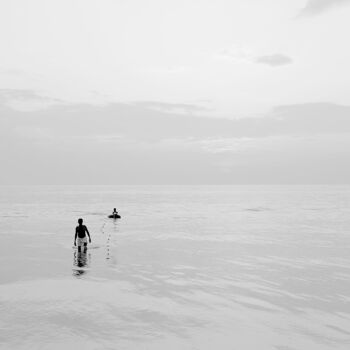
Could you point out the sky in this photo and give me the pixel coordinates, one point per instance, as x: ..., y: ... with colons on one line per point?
x: 174, y: 92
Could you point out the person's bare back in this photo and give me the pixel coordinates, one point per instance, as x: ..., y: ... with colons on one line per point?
x: 80, y: 234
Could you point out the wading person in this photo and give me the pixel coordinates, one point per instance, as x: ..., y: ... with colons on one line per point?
x: 80, y: 236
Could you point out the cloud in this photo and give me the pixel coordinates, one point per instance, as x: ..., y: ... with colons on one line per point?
x: 168, y: 70
x: 25, y: 100
x: 33, y: 133
x: 314, y: 7
x: 240, y: 55
x: 275, y: 60
x: 183, y: 108
x: 147, y: 142
x: 237, y: 54
x: 153, y: 122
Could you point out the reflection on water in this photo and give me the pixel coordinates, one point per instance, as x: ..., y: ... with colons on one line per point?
x: 268, y: 269
x: 81, y: 261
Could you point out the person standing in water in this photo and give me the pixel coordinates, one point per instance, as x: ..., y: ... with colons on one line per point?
x: 81, y: 235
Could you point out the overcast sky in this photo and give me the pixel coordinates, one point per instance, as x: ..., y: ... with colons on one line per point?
x: 160, y: 91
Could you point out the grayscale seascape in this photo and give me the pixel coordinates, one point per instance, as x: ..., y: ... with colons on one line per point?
x: 201, y: 267
x: 220, y: 132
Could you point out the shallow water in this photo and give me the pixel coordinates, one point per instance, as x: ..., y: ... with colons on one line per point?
x: 250, y: 267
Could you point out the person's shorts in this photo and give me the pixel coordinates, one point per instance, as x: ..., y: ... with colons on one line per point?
x: 81, y: 241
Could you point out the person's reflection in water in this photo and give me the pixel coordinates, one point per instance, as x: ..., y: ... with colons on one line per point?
x: 81, y: 261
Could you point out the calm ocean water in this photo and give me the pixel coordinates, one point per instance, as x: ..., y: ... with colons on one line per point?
x: 226, y: 267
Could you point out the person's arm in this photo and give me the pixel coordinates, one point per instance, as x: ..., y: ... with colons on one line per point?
x: 87, y: 231
x: 75, y: 237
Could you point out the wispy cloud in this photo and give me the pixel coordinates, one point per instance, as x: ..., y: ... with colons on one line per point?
x: 274, y: 60
x: 183, y: 108
x: 314, y: 7
x: 237, y: 54
x: 25, y: 100
x: 244, y: 55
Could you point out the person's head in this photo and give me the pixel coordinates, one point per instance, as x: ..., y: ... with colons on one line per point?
x: 114, y: 209
x: 80, y: 221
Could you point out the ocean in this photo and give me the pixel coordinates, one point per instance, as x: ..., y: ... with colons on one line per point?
x: 186, y: 267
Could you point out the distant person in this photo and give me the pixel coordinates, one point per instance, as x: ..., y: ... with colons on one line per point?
x: 81, y: 235
x: 115, y: 213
